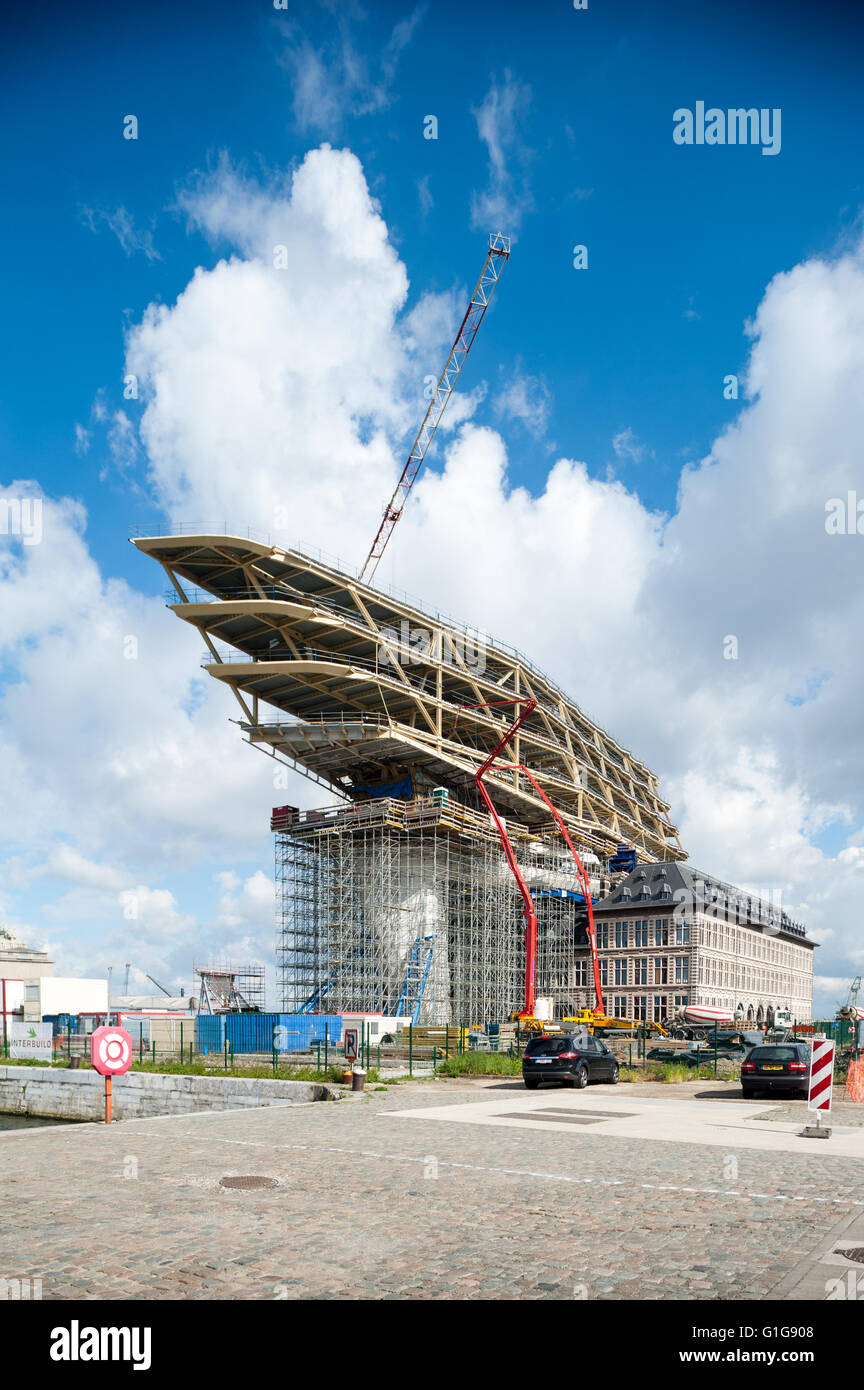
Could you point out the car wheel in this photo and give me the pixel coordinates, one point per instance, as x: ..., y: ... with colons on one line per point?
x: 615, y: 1077
x: 580, y: 1080
x: 531, y: 1083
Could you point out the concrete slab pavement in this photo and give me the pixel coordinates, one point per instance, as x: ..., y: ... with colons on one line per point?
x: 663, y: 1119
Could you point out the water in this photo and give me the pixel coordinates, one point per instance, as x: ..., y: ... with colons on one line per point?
x: 28, y: 1122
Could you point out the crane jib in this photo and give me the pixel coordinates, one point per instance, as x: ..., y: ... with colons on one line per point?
x: 496, y: 258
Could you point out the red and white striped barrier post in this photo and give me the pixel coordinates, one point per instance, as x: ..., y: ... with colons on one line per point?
x: 821, y: 1083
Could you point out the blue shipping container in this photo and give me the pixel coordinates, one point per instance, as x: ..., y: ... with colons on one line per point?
x: 261, y: 1032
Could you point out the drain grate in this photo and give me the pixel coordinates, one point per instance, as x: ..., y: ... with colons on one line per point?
x: 248, y: 1184
x: 594, y: 1114
x: 856, y: 1254
x: 550, y: 1119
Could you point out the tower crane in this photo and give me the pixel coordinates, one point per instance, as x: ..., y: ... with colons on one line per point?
x: 496, y: 258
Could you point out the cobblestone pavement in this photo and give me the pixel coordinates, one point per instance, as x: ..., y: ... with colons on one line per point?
x: 373, y: 1206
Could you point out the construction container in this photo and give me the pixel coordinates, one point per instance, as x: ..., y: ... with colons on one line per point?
x: 263, y: 1032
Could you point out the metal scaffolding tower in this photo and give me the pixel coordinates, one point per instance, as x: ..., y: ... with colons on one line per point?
x: 407, y: 907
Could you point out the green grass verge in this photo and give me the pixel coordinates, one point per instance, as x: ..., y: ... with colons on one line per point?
x: 332, y: 1075
x: 31, y: 1062
x: 673, y: 1075
x: 214, y: 1067
x: 480, y: 1064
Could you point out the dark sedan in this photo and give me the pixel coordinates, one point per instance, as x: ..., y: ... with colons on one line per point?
x: 571, y: 1059
x: 777, y: 1067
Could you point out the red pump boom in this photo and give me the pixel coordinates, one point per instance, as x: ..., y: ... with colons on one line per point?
x: 490, y: 765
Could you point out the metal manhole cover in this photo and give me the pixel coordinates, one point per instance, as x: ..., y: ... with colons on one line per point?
x: 248, y: 1184
x: 856, y: 1254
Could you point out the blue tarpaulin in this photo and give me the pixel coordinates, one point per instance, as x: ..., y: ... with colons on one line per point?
x: 403, y: 788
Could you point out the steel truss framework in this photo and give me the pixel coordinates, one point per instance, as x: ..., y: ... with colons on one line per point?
x: 365, y: 892
x: 370, y: 688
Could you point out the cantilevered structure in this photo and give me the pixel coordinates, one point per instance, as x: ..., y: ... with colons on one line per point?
x: 371, y: 690
x: 398, y: 898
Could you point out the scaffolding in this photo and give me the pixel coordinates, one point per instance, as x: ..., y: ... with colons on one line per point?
x: 251, y: 984
x: 227, y: 988
x: 408, y: 908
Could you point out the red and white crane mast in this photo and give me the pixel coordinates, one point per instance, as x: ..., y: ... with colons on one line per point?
x: 496, y: 258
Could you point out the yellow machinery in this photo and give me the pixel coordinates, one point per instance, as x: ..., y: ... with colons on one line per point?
x: 529, y: 1026
x: 585, y: 1020
x: 589, y: 1019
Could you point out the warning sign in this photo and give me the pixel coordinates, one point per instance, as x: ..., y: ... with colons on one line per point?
x: 821, y: 1075
x: 351, y: 1044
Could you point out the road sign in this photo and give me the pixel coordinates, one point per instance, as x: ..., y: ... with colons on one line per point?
x: 111, y: 1051
x: 351, y: 1044
x: 821, y: 1076
x: 30, y: 1041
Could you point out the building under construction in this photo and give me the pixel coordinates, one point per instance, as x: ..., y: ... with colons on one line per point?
x: 398, y: 898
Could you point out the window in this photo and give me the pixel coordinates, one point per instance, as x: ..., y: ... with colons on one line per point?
x: 580, y: 972
x: 682, y: 934
x: 620, y: 972
x: 661, y: 970
x: 138, y: 1030
x: 603, y: 937
x: 681, y: 1001
x: 659, y: 1006
x: 548, y: 1047
x: 604, y: 972
x: 641, y: 934
x: 619, y: 1004
x: 661, y: 932
x: 31, y: 993
x: 640, y: 1007
x: 640, y: 971
x: 621, y: 932
x: 682, y: 970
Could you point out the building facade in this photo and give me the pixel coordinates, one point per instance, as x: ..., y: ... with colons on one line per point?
x: 669, y: 935
x: 22, y: 971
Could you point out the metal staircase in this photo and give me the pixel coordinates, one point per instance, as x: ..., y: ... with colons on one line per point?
x: 415, y: 978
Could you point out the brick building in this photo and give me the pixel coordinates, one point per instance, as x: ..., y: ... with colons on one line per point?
x: 669, y: 935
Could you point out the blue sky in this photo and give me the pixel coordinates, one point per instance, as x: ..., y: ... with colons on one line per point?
x: 621, y: 365
x: 680, y: 245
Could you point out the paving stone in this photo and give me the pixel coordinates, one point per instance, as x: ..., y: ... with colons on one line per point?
x: 337, y: 1215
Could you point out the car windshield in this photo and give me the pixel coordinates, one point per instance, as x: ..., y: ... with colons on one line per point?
x: 547, y: 1047
x: 774, y: 1054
